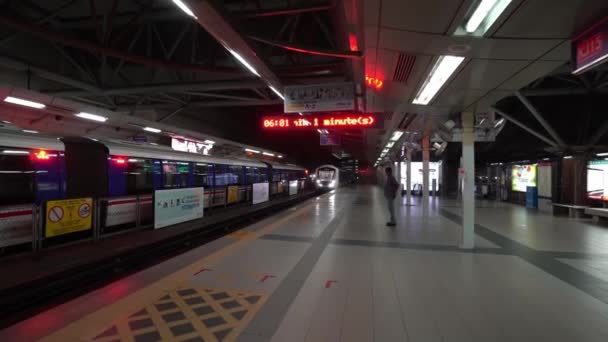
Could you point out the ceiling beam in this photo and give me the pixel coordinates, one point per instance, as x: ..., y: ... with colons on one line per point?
x: 46, y: 34
x: 525, y: 128
x: 206, y: 104
x: 310, y: 50
x: 540, y: 119
x: 290, y: 11
x: 554, y: 92
x: 165, y: 87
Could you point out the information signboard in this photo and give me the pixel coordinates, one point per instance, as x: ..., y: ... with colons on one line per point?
x: 316, y: 121
x: 233, y: 194
x: 68, y: 216
x: 177, y: 205
x: 260, y: 193
x: 319, y: 98
x: 590, y: 48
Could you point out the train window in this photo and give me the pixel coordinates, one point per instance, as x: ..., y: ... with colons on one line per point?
x: 16, y: 178
x: 228, y: 175
x: 255, y: 175
x: 201, y: 174
x: 139, y: 175
x: 175, y: 174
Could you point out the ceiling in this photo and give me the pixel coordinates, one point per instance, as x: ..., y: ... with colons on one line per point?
x: 149, y: 61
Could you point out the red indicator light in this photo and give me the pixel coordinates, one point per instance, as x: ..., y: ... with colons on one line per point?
x: 355, y: 120
x: 374, y: 82
x: 352, y: 42
x: 120, y: 161
x: 42, y: 155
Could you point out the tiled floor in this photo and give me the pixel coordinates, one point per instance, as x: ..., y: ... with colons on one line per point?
x: 330, y: 270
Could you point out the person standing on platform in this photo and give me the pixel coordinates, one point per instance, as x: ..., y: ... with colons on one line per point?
x: 391, y: 186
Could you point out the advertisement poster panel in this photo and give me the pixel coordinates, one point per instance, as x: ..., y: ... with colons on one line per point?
x: 233, y: 194
x: 597, y: 179
x: 319, y: 98
x: 293, y: 188
x: 68, y: 216
x: 523, y: 176
x: 544, y: 180
x: 260, y: 193
x: 177, y: 205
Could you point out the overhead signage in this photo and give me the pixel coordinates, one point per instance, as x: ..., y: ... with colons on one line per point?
x: 286, y: 122
x: 177, y: 205
x: 190, y: 146
x: 319, y: 98
x: 68, y: 216
x: 329, y: 140
x: 590, y: 49
x: 523, y: 176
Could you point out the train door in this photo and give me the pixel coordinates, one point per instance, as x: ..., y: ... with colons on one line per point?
x: 86, y: 168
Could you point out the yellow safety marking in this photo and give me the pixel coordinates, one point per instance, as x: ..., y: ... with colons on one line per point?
x: 239, y: 234
x: 96, y: 321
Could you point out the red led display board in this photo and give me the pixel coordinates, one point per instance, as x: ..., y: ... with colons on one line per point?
x: 590, y: 48
x: 286, y: 122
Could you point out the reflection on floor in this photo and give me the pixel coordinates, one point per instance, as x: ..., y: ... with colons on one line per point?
x: 330, y: 270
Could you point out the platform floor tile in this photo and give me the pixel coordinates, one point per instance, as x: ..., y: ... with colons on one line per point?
x: 187, y: 314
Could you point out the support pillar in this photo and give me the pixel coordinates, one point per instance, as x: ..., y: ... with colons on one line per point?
x: 408, y: 176
x: 468, y: 194
x: 425, y: 169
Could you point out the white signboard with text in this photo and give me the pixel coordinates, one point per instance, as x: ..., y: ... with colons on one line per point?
x: 319, y: 98
x: 260, y: 193
x: 293, y: 188
x: 177, y: 206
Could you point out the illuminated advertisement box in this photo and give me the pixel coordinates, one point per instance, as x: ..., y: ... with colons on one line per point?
x: 597, y: 180
x: 523, y: 176
x: 260, y: 193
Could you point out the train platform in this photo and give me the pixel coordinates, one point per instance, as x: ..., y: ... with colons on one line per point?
x: 329, y: 269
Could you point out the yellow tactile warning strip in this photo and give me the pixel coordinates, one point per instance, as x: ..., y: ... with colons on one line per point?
x: 239, y: 234
x: 187, y: 314
x: 104, y: 317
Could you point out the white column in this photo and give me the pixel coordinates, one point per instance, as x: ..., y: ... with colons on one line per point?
x: 468, y: 195
x: 408, y: 176
x: 425, y: 169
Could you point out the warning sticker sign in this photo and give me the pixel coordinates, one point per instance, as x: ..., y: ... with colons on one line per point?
x: 68, y: 216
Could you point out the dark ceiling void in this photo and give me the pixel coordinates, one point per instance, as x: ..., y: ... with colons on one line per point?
x: 573, y: 116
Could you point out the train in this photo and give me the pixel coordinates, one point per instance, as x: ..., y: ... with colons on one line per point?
x: 35, y: 169
x: 327, y: 177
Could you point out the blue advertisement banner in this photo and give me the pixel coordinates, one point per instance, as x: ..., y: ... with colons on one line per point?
x: 177, y: 205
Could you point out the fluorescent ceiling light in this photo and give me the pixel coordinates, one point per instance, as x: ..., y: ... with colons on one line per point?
x: 568, y: 157
x: 154, y: 144
x: 29, y: 131
x: 93, y: 117
x: 152, y: 129
x: 441, y: 72
x: 488, y: 11
x: 268, y: 154
x: 22, y: 102
x: 602, y: 154
x: 396, y: 135
x: 390, y: 144
x: 277, y: 92
x: 184, y: 8
x: 252, y: 151
x: 385, y: 150
x: 15, y: 152
x: 210, y: 142
x: 499, y: 122
x: 244, y: 62
x: 6, y: 122
x: 279, y: 156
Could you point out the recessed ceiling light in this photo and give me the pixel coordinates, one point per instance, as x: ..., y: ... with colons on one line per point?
x: 22, y: 102
x: 244, y: 62
x: 152, y: 129
x: 210, y: 142
x: 277, y: 92
x: 184, y: 8
x: 15, y: 152
x: 268, y: 154
x: 252, y: 151
x: 93, y: 117
x: 441, y: 72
